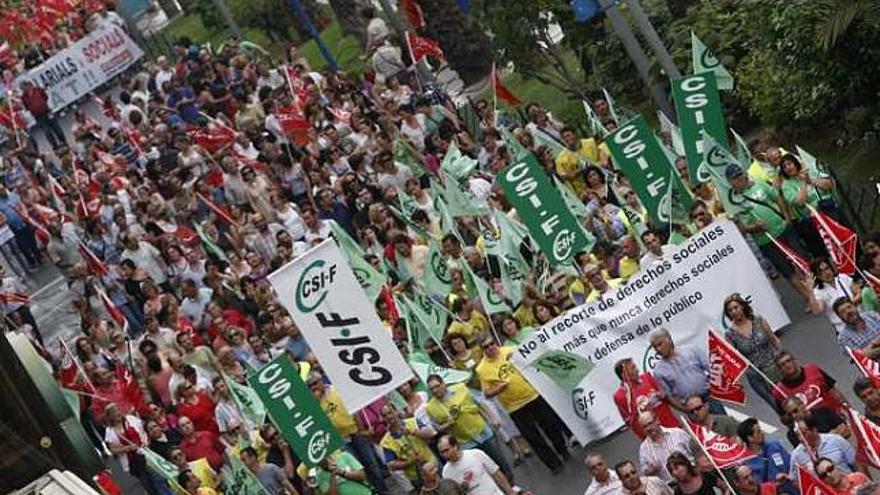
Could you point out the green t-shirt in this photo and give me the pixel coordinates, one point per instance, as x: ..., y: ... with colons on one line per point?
x: 760, y: 205
x: 345, y: 462
x: 790, y: 190
x: 869, y: 299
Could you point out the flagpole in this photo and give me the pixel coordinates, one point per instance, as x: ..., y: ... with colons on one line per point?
x: 12, y: 118
x: 854, y: 418
x: 687, y: 426
x: 839, y: 246
x: 412, y: 57
x: 494, y: 97
x: 77, y: 364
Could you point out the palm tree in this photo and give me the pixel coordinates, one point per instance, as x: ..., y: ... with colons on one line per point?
x: 840, y: 16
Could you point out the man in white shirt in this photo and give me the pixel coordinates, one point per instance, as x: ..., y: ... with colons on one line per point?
x: 194, y: 302
x: 473, y: 469
x: 659, y: 443
x: 146, y: 257
x: 633, y: 484
x: 654, y: 249
x: 605, y: 481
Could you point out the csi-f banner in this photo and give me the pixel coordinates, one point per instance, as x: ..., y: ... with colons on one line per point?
x: 684, y: 293
x: 698, y: 106
x: 542, y: 209
x: 653, y: 178
x: 295, y: 411
x: 83, y: 66
x: 328, y: 305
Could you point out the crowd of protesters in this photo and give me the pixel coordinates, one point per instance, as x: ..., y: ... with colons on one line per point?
x: 211, y: 169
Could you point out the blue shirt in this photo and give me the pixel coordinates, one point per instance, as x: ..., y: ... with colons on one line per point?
x: 832, y: 446
x: 12, y: 217
x: 857, y: 339
x: 684, y: 375
x: 774, y: 460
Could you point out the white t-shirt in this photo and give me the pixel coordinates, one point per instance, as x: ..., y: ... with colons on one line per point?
x: 111, y: 436
x: 475, y: 469
x: 611, y: 486
x: 840, y: 287
x: 194, y: 308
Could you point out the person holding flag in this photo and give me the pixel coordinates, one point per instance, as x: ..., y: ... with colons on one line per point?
x: 639, y: 393
x: 817, y: 445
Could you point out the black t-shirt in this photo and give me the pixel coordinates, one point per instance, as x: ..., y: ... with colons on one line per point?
x: 710, y: 482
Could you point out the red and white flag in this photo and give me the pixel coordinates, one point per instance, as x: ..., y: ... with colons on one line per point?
x: 726, y: 366
x: 96, y: 266
x: 722, y: 451
x: 413, y: 13
x: 213, y: 138
x: 501, y: 91
x: 221, y: 213
x: 868, y: 367
x: 115, y: 313
x: 840, y: 241
x: 809, y: 484
x: 796, y: 259
x: 421, y: 47
x: 867, y: 437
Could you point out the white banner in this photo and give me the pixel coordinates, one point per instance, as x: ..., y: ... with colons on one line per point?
x: 684, y: 294
x: 83, y: 66
x: 340, y: 324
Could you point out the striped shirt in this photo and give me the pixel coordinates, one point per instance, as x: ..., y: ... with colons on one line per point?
x: 674, y: 440
x: 848, y: 336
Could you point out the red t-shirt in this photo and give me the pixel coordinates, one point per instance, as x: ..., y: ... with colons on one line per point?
x: 643, y: 396
x: 811, y: 387
x: 36, y: 101
x: 203, y: 444
x: 201, y: 413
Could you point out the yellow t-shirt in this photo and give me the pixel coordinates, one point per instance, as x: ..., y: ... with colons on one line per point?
x: 342, y: 420
x: 470, y: 329
x: 408, y: 446
x: 594, y: 294
x: 525, y: 315
x: 459, y: 406
x: 627, y: 268
x: 518, y: 392
x: 204, y: 472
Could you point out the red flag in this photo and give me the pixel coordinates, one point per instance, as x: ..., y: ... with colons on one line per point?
x: 811, y: 485
x: 420, y: 47
x: 868, y: 367
x: 115, y: 313
x: 217, y: 209
x: 40, y: 231
x: 867, y: 437
x: 501, y: 92
x: 96, y: 266
x: 340, y: 114
x: 14, y: 298
x: 796, y: 259
x: 722, y: 451
x: 213, y: 138
x: 105, y: 481
x: 294, y: 123
x: 839, y: 241
x: 413, y: 13
x: 726, y: 366
x: 130, y: 387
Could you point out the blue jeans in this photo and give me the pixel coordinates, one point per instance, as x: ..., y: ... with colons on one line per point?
x: 492, y: 448
x: 360, y: 447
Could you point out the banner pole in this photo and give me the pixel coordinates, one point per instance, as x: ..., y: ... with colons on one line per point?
x: 687, y: 426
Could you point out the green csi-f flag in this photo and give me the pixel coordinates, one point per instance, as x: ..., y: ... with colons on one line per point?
x: 423, y: 318
x: 577, y: 207
x: 594, y: 122
x: 611, y: 107
x: 743, y: 154
x: 248, y: 402
x: 460, y: 201
x: 405, y: 153
x: 210, y: 245
x: 294, y: 410
x: 437, y: 279
x: 369, y: 278
x: 544, y: 139
x: 408, y: 205
x: 239, y: 480
x: 512, y: 278
x: 717, y: 159
x: 425, y: 367
x: 492, y: 302
x: 639, y: 154
x: 811, y: 165
x: 160, y: 465
x: 457, y: 164
x: 705, y: 61
x: 566, y: 369
x: 667, y: 125
x: 550, y: 223
x: 698, y: 106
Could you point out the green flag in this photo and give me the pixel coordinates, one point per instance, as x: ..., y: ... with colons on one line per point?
x: 611, y: 107
x: 160, y: 465
x: 456, y: 164
x: 566, y: 369
x: 408, y: 205
x: 811, y: 165
x: 210, y: 245
x: 716, y: 160
x: 705, y: 61
x: 368, y: 276
x: 437, y: 279
x: 542, y: 138
x: 425, y: 367
x: 698, y: 106
x: 577, y: 207
x: 641, y: 157
x: 594, y: 122
x: 239, y: 480
x: 460, y: 201
x: 491, y: 238
x: 412, y: 224
x: 492, y: 302
x: 426, y: 316
x: 72, y: 399
x: 511, y: 278
x: 248, y: 402
x: 667, y: 125
x: 516, y: 150
x: 447, y: 222
x: 405, y: 153
x: 743, y: 154
x: 512, y: 235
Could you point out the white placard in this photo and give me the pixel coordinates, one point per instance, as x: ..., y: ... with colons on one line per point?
x: 684, y: 294
x: 340, y: 324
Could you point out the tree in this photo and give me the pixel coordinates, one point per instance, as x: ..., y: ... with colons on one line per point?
x: 350, y: 20
x: 840, y: 16
x: 465, y: 44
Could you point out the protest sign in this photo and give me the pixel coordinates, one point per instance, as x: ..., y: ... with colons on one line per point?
x: 683, y: 293
x: 85, y: 65
x: 327, y: 303
x: 295, y: 411
x: 542, y: 209
x: 698, y: 106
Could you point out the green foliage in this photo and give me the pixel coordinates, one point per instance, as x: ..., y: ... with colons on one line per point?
x: 465, y: 44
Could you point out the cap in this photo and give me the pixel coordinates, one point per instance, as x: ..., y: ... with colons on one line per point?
x: 733, y: 170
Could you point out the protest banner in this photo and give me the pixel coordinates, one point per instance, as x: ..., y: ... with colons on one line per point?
x: 698, y: 106
x: 329, y: 306
x: 683, y: 293
x: 542, y: 209
x: 295, y: 411
x: 85, y: 65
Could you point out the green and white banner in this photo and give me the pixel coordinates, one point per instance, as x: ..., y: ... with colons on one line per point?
x: 705, y: 61
x: 340, y: 324
x: 698, y: 106
x: 640, y: 156
x: 295, y: 411
x: 550, y: 223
